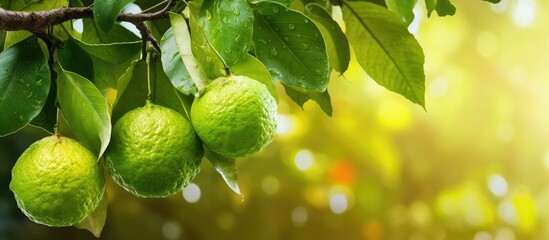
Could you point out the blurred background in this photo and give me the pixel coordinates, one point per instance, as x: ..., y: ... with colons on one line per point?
x: 474, y: 165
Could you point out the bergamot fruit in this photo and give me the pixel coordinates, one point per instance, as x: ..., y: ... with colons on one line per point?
x: 154, y: 151
x: 57, y: 182
x: 235, y: 117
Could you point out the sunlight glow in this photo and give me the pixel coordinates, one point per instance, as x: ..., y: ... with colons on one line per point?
x: 131, y: 8
x: 78, y: 25
x: 482, y: 236
x: 191, y: 193
x: 270, y: 185
x: 304, y: 160
x: 438, y: 87
x: 171, y: 230
x: 338, y: 203
x: 299, y: 216
x: 507, y: 212
x: 284, y: 124
x: 418, y: 17
x: 497, y: 185
x: 524, y: 12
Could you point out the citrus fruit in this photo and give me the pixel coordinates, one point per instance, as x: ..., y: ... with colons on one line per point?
x: 235, y: 117
x: 57, y: 182
x: 154, y: 151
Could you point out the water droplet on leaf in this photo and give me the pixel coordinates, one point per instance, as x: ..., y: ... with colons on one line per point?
x: 274, y: 52
x: 306, y: 20
x: 276, y: 10
x: 291, y: 26
x: 208, y: 15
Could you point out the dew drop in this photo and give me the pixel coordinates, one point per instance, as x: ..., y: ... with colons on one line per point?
x: 291, y: 26
x: 274, y: 52
x: 306, y: 20
x: 208, y: 14
x: 21, y: 81
x: 20, y: 118
x: 305, y: 46
x: 262, y: 41
x: 236, y: 12
x: 276, y: 10
x: 286, y: 38
x: 39, y: 83
x: 237, y: 38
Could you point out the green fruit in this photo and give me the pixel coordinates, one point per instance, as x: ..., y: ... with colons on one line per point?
x: 154, y: 151
x: 235, y: 117
x: 57, y: 182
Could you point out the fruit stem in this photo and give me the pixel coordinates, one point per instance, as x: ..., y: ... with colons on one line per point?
x: 56, y: 126
x: 151, y: 75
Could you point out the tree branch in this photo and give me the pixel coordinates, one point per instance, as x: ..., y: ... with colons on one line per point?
x: 37, y: 22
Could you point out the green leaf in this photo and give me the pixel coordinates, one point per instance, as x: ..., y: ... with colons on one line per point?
x: 74, y: 59
x: 228, y: 27
x: 96, y: 220
x: 173, y: 65
x: 13, y: 37
x: 253, y: 68
x: 85, y: 109
x: 290, y: 46
x: 339, y: 53
x: 106, y: 11
x: 93, y: 34
x: 183, y: 43
x: 110, y: 60
x: 492, y: 1
x: 283, y: 2
x: 403, y: 9
x: 443, y: 7
x: 206, y: 55
x: 385, y: 49
x: 2, y: 39
x: 301, y: 96
x: 47, y: 118
x: 15, y: 5
x: 226, y: 167
x: 133, y: 90
x: 24, y: 83
x: 115, y: 53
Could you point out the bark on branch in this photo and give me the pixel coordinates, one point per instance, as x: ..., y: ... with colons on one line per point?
x: 39, y: 21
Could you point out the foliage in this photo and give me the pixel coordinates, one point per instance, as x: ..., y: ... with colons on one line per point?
x: 296, y: 43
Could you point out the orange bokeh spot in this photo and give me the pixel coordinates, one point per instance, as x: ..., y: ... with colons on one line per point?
x: 373, y: 230
x: 343, y: 172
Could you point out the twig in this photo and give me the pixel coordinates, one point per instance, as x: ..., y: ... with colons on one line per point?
x: 146, y: 36
x: 37, y: 22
